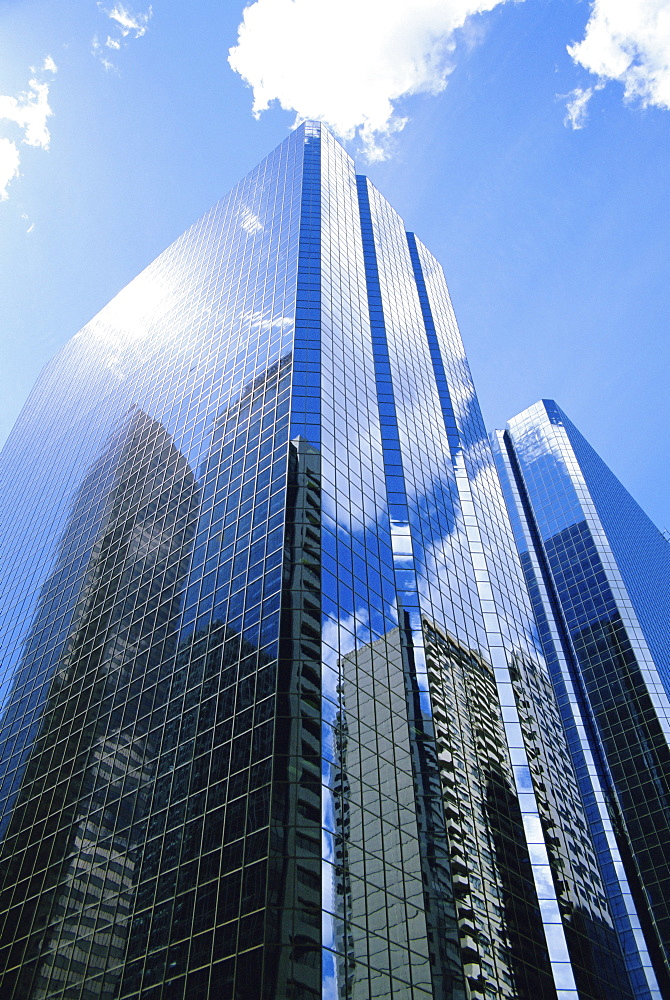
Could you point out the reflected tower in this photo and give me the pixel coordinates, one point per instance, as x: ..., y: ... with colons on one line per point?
x: 79, y: 749
x: 277, y: 720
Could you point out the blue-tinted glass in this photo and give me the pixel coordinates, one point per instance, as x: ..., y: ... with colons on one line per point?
x: 276, y: 721
x: 599, y: 575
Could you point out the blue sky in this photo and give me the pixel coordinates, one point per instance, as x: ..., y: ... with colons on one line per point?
x: 537, y: 175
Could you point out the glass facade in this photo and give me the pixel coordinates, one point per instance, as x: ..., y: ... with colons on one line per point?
x: 599, y: 575
x: 276, y: 718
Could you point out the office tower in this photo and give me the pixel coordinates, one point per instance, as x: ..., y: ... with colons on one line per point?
x: 598, y: 571
x: 275, y: 718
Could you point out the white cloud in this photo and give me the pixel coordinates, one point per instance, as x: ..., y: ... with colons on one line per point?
x: 98, y: 50
x: 629, y: 41
x: 347, y: 62
x: 577, y: 107
x: 49, y: 66
x: 135, y: 24
x: 126, y: 24
x: 264, y: 322
x: 249, y: 221
x: 9, y: 165
x: 340, y: 637
x: 29, y: 113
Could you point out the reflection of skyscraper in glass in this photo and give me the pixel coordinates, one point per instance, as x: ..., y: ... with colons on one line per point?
x: 598, y: 571
x: 277, y: 722
x: 77, y: 790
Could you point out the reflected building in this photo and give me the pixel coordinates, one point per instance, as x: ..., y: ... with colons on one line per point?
x: 277, y: 721
x: 76, y: 799
x: 598, y: 571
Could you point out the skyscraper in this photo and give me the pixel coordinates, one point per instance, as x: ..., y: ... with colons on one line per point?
x: 276, y: 721
x: 598, y: 571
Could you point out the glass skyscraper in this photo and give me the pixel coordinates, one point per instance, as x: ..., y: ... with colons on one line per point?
x: 276, y: 718
x: 598, y: 572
